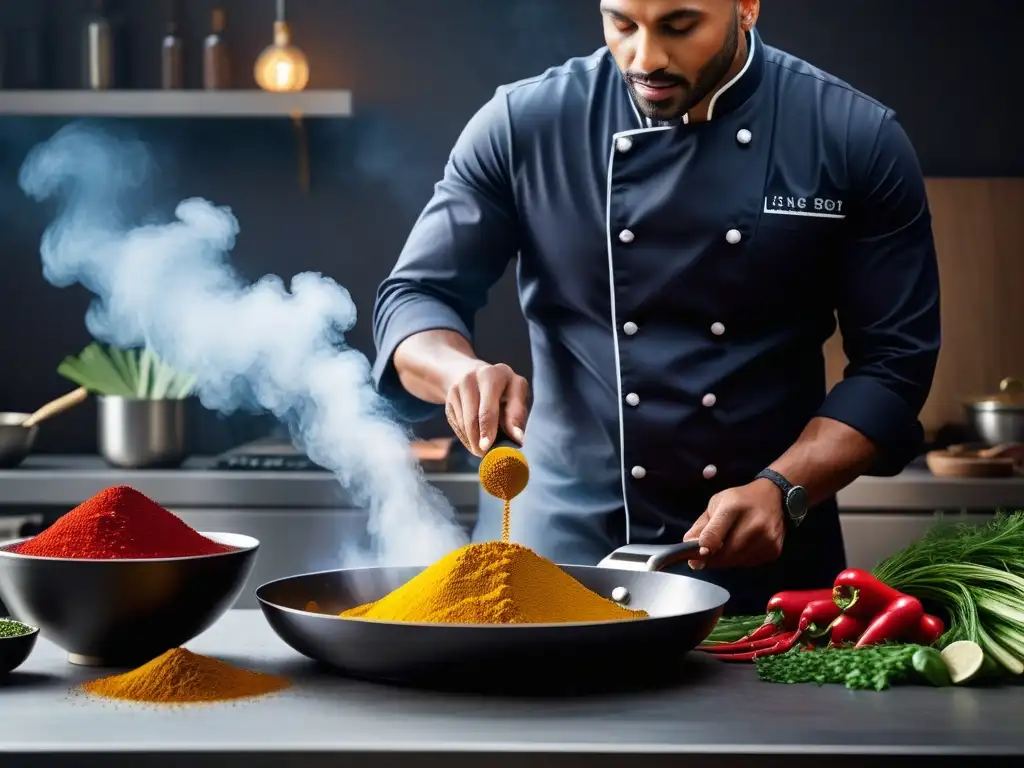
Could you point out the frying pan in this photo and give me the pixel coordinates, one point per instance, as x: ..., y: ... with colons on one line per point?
x: 682, y: 612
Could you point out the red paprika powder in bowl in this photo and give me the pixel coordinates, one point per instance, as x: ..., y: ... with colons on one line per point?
x: 119, y: 523
x: 119, y: 579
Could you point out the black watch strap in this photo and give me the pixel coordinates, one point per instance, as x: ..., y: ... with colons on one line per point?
x: 783, y: 484
x: 794, y: 498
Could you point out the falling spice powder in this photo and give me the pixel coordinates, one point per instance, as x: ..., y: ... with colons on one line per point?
x: 504, y: 474
x: 182, y: 677
x: 119, y: 523
x: 493, y: 583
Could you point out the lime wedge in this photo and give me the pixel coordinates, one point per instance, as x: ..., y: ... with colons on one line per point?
x: 964, y: 659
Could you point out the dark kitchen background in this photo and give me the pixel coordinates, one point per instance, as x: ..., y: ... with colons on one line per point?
x: 417, y: 71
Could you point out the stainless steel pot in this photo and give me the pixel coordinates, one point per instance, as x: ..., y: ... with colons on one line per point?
x: 139, y: 434
x: 998, y: 419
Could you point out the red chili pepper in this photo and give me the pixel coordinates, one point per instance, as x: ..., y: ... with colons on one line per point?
x: 847, y: 629
x: 929, y: 630
x: 766, y: 630
x: 898, y: 622
x: 740, y: 645
x: 860, y: 594
x: 789, y: 605
x: 785, y: 643
x: 818, y: 616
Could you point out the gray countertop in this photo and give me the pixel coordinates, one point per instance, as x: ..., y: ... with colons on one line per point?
x: 722, y: 712
x: 67, y: 480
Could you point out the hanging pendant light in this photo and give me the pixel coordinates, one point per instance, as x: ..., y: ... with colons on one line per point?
x: 282, y: 66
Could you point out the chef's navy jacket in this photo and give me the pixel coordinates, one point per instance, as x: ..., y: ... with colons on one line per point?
x: 679, y: 282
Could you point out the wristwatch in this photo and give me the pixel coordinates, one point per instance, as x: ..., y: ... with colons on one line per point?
x: 794, y: 497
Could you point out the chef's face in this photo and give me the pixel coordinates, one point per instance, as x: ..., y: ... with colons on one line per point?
x: 676, y: 53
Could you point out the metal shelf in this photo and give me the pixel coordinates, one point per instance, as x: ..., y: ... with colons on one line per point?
x: 183, y: 103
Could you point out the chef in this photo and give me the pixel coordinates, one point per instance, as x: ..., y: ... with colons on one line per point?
x: 689, y: 211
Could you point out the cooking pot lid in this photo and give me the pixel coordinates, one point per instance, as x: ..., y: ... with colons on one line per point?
x: 1011, y: 393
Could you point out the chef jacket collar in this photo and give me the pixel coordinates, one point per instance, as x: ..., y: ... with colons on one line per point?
x: 731, y: 95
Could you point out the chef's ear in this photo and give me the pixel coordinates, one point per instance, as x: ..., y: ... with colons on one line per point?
x: 749, y: 12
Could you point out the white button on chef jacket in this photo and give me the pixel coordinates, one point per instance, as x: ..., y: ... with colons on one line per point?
x: 639, y: 473
x: 743, y: 137
x: 717, y: 328
x: 623, y: 144
x: 733, y: 236
x: 626, y: 236
x: 630, y: 328
x: 633, y: 399
x: 709, y: 400
x: 710, y: 471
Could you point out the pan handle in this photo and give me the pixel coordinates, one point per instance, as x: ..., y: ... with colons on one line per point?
x: 649, y: 557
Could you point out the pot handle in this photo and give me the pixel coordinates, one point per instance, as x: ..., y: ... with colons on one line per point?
x: 649, y: 557
x: 1011, y: 384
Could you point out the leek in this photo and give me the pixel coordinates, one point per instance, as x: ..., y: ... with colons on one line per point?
x: 128, y: 373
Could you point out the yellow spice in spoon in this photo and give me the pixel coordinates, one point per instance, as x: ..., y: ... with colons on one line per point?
x: 504, y: 474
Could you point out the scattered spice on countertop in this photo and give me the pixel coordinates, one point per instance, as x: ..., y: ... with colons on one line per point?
x: 12, y: 628
x: 182, y: 677
x: 493, y: 583
x: 119, y: 523
x: 504, y: 474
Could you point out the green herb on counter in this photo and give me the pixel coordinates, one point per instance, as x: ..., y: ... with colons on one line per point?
x: 729, y: 629
x: 11, y: 628
x: 872, y: 668
x: 129, y: 373
x: 976, y: 574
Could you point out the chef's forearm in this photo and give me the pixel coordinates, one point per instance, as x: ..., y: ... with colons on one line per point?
x: 828, y: 456
x: 428, y: 363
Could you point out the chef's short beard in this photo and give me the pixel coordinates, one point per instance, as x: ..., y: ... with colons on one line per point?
x: 708, y: 79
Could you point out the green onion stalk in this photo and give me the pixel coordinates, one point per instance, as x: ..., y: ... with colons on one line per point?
x: 975, y: 575
x: 130, y: 373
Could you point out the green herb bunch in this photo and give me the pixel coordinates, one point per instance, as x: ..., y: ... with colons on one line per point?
x: 863, y: 669
x: 130, y: 373
x: 975, y: 573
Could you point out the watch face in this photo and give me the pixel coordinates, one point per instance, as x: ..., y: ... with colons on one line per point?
x: 796, y: 503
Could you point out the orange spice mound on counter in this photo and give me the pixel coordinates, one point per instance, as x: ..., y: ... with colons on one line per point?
x: 493, y: 583
x: 504, y: 474
x: 182, y: 677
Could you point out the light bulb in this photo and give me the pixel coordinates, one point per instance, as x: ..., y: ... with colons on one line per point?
x: 282, y: 66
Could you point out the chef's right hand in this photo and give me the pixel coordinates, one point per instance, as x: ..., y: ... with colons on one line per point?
x: 485, y: 398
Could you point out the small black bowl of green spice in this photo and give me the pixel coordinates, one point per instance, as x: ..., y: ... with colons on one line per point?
x: 16, y: 643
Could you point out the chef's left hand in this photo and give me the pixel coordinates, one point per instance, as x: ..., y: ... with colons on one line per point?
x: 742, y: 527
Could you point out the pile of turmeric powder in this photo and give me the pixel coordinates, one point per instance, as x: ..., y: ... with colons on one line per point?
x: 181, y: 677
x: 493, y: 583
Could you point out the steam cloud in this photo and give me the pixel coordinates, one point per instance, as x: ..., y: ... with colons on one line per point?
x: 170, y: 286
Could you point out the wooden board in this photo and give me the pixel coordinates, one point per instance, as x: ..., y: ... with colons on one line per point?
x: 979, y: 238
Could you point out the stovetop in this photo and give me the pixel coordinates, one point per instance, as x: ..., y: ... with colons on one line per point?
x: 268, y: 454
x: 274, y: 454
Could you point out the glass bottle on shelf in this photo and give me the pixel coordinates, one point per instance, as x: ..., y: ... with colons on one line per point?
x: 216, y: 62
x: 99, y: 49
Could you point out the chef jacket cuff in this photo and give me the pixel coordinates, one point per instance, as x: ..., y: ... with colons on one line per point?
x: 881, y: 416
x: 415, y: 315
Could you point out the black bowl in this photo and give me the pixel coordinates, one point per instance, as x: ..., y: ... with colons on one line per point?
x: 14, y: 650
x: 121, y: 613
